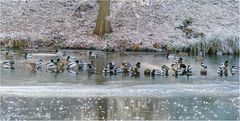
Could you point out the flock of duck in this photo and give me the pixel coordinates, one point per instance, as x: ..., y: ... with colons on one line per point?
x: 73, y: 65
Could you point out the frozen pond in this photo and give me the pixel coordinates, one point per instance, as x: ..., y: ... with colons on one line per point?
x: 41, y: 95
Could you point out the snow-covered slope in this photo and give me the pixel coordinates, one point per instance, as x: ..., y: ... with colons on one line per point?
x: 144, y: 23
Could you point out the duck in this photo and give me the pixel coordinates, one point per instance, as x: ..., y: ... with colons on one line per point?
x: 109, y: 69
x: 60, y: 53
x: 183, y: 70
x: 87, y: 66
x: 60, y: 65
x: 155, y: 72
x: 201, y: 53
x: 147, y: 72
x: 73, y: 65
x: 164, y: 70
x: 8, y: 55
x: 174, y: 69
x: 219, y: 53
x: 138, y: 65
x: 71, y: 59
x: 52, y: 66
x: 8, y: 64
x: 234, y: 70
x: 203, y: 70
x: 222, y: 69
x: 92, y: 55
x: 135, y: 72
x: 118, y: 70
x: 125, y: 68
x: 200, y: 56
x: 189, y: 70
x: 36, y: 66
x: 28, y: 56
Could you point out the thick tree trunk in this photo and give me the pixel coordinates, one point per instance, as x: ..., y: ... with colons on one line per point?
x: 103, y: 24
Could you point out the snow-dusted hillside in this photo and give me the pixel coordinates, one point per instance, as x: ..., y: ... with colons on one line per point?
x: 143, y: 23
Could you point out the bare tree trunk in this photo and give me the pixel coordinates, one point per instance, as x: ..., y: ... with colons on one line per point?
x: 103, y: 24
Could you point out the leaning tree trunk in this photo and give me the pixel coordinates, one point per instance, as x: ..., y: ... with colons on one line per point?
x: 103, y: 24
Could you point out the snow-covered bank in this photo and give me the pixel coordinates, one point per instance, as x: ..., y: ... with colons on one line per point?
x: 137, y: 25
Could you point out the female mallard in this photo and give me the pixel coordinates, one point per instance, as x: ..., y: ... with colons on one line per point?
x: 203, y: 70
x: 36, y: 66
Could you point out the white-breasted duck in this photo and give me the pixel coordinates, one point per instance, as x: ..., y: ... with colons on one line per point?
x: 70, y: 59
x: 59, y: 53
x: 164, y: 70
x: 73, y: 65
x: 8, y: 64
x: 109, y: 69
x: 28, y: 55
x: 92, y: 55
x: 51, y: 66
x: 219, y: 53
x: 223, y: 69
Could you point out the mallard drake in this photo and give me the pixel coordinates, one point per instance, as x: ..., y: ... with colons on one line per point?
x: 92, y: 55
x: 51, y: 66
x: 189, y: 70
x: 219, y: 53
x: 222, y: 69
x: 8, y: 64
x: 155, y: 72
x: 73, y: 65
x: 118, y: 70
x: 183, y: 70
x: 138, y: 65
x: 60, y: 53
x: 71, y: 59
x: 164, y: 70
x: 28, y: 56
x: 109, y: 69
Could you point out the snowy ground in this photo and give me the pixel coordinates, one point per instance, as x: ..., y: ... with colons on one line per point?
x: 135, y: 23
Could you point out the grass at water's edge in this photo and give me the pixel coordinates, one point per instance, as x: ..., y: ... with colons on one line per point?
x: 229, y: 46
